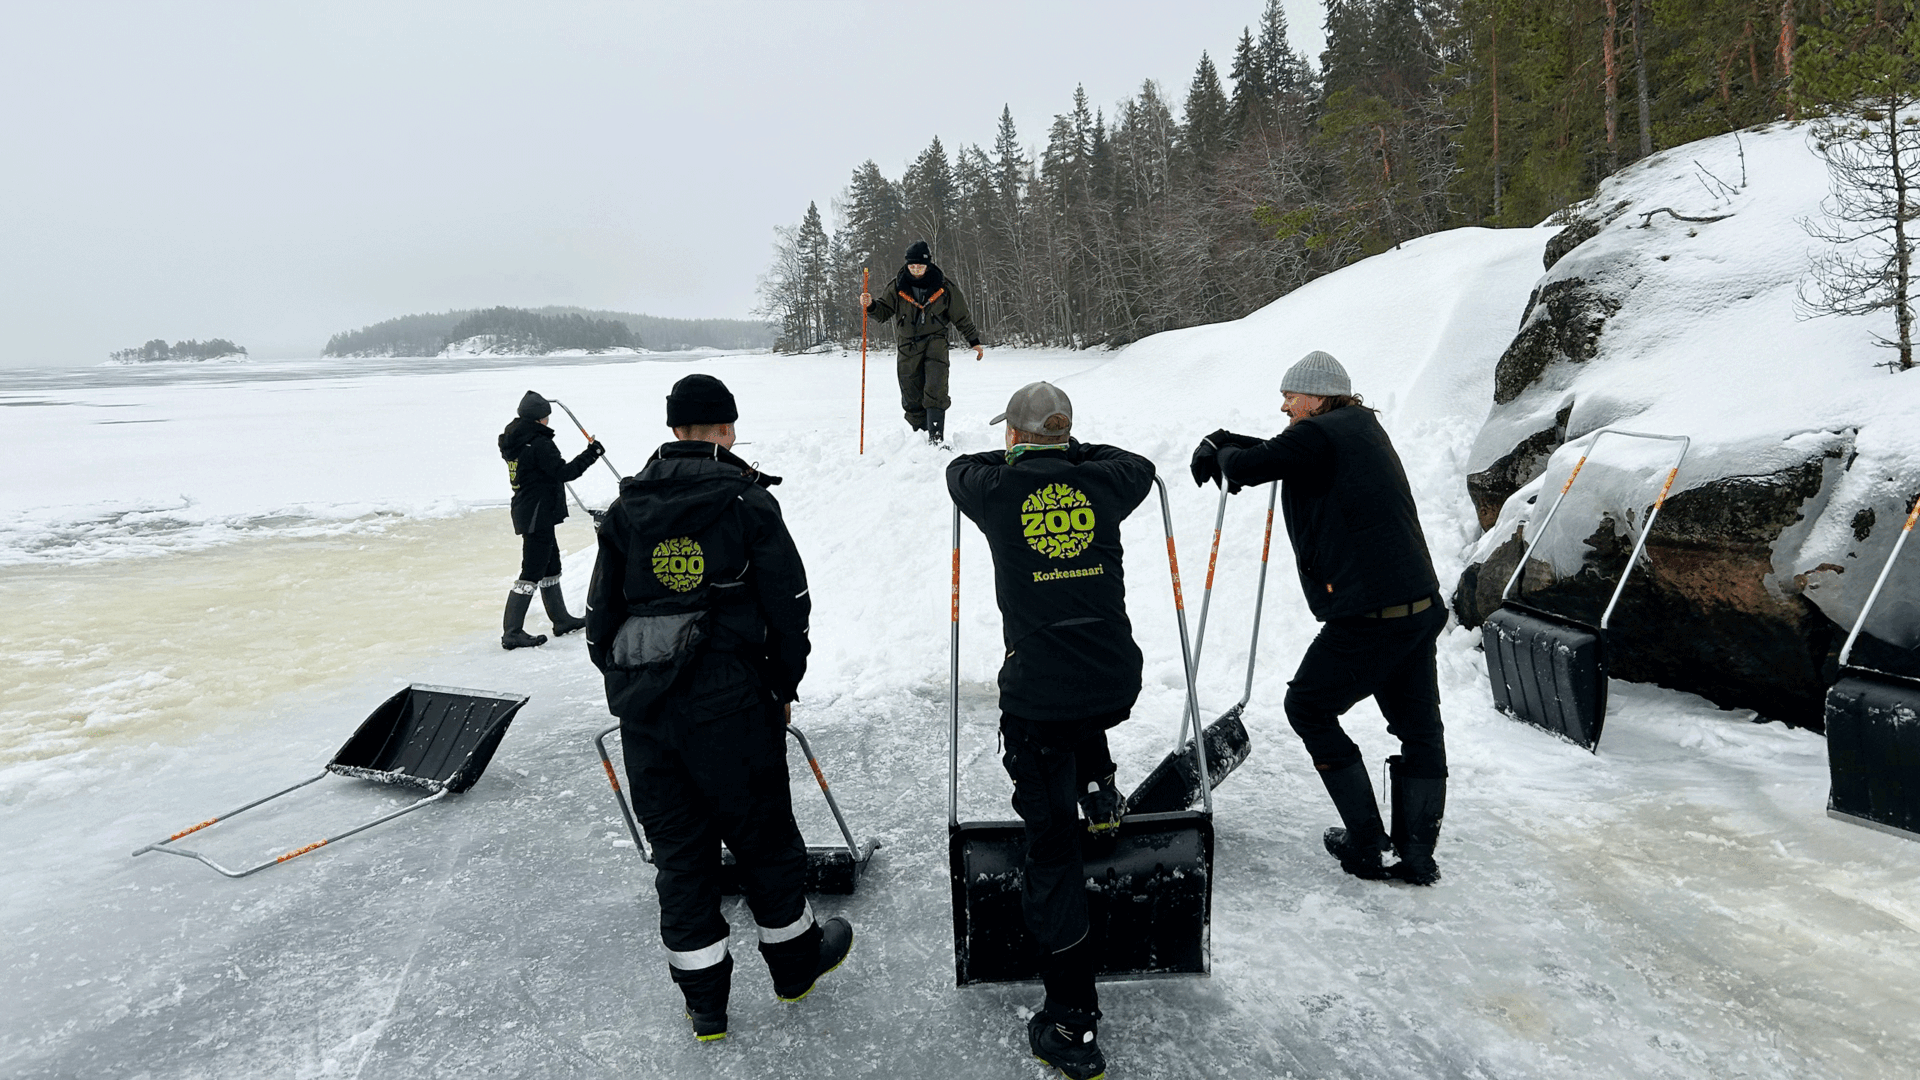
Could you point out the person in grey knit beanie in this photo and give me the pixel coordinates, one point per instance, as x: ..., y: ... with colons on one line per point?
x: 1369, y: 579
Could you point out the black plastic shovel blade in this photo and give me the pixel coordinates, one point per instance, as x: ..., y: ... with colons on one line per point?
x: 829, y: 870
x: 1548, y: 672
x: 430, y: 736
x: 1873, y: 751
x: 1149, y: 900
x: 1174, y: 784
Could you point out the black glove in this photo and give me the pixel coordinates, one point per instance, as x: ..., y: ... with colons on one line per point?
x: 594, y: 448
x: 1205, y: 465
x: 599, y: 517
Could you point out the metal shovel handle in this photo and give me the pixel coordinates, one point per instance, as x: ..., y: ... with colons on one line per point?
x: 953, y: 680
x: 588, y: 435
x: 1206, y: 601
x: 1640, y: 545
x: 1898, y: 543
x: 619, y: 796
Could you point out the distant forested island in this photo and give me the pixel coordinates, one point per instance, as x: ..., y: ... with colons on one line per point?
x: 158, y: 351
x: 539, y: 331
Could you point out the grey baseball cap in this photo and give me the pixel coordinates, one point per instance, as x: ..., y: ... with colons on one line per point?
x: 1033, y: 405
x: 1318, y: 374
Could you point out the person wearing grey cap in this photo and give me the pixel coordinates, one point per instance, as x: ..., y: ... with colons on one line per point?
x: 1369, y: 579
x: 1050, y: 508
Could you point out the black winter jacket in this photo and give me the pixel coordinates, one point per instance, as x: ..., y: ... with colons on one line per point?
x: 1350, y: 514
x: 697, y: 528
x: 924, y: 307
x: 1052, y: 520
x: 538, y: 474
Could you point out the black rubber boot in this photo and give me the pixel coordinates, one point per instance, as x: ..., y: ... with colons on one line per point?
x: 1103, y: 806
x: 1067, y: 1042
x: 1418, y: 805
x: 706, y: 992
x: 797, y: 965
x: 556, y: 605
x: 513, y: 634
x: 1359, y: 844
x: 937, y: 426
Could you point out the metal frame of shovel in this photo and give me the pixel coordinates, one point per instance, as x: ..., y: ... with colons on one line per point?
x: 1149, y: 894
x: 589, y: 511
x: 1546, y: 669
x: 435, y: 737
x: 1873, y: 745
x: 830, y: 869
x: 1174, y: 784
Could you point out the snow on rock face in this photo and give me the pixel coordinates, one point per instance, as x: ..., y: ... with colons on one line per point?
x: 1804, y: 455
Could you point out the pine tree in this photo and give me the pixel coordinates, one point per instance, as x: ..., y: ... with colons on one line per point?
x: 1862, y: 68
x: 1203, y: 135
x: 1247, y: 103
x: 928, y: 191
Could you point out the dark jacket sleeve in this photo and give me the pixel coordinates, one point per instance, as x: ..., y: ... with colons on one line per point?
x: 1301, y: 450
x: 970, y: 477
x: 572, y: 469
x: 959, y: 316
x: 780, y: 581
x: 1131, y: 474
x: 606, y: 595
x: 882, y: 307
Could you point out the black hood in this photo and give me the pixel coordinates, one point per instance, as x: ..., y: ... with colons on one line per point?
x: 933, y: 279
x: 688, y: 484
x: 519, y: 435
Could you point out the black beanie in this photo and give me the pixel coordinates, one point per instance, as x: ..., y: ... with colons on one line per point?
x: 920, y: 253
x: 700, y: 399
x: 533, y: 406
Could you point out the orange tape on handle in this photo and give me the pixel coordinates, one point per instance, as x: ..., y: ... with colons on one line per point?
x: 1908, y: 527
x: 1666, y: 487
x: 1213, y: 557
x: 1173, y: 563
x: 1577, y: 466
x: 211, y: 820
x: 611, y: 778
x: 300, y: 851
x: 1266, y: 545
x: 956, y: 584
x: 817, y: 774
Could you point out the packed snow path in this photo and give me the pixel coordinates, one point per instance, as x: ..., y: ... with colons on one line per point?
x: 1678, y: 905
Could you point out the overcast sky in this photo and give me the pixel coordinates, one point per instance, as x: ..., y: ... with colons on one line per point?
x: 274, y: 173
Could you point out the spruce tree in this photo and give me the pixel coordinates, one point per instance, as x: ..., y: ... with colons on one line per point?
x: 1204, y: 132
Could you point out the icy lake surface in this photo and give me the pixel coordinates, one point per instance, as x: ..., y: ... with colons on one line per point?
x: 204, y: 604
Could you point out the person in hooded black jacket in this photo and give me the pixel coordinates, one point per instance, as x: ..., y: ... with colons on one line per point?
x: 1368, y: 578
x: 922, y: 304
x: 697, y: 618
x: 1050, y: 508
x: 539, y: 475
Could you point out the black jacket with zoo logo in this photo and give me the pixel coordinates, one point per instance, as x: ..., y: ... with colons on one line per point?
x: 698, y: 530
x: 538, y: 474
x: 1052, y: 520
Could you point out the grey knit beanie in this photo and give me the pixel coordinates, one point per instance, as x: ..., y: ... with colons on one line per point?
x: 1318, y: 374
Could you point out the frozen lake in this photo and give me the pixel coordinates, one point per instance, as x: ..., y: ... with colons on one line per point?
x: 294, y: 543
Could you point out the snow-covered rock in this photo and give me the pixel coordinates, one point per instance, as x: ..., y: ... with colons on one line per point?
x: 1804, y: 454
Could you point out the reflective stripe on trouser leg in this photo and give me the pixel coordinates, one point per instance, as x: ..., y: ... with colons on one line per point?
x: 770, y: 936
x: 524, y: 588
x: 698, y: 959
x: 549, y: 582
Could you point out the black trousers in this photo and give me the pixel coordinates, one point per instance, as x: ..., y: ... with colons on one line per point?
x: 1389, y: 660
x: 922, y: 369
x: 697, y: 784
x: 539, y: 555
x: 1051, y: 763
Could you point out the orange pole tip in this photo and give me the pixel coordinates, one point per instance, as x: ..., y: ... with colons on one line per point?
x: 195, y: 829
x: 300, y: 851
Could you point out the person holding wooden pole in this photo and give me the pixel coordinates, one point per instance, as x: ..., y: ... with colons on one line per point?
x: 923, y: 304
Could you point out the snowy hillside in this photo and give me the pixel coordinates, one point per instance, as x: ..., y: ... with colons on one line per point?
x: 1677, y: 906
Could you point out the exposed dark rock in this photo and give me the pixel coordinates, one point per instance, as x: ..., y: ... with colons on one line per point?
x: 1582, y: 230
x: 1491, y: 487
x: 1863, y: 523
x: 1700, y: 613
x: 1569, y: 330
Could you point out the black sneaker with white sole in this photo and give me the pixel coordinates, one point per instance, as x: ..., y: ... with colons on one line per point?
x: 1068, y: 1047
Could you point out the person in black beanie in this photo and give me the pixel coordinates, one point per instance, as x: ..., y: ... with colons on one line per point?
x: 697, y: 619
x: 538, y: 475
x: 922, y: 304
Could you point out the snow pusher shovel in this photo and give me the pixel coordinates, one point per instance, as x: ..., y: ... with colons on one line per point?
x: 1873, y: 741
x: 596, y: 515
x: 830, y: 869
x: 1149, y: 892
x: 1549, y: 670
x: 439, y: 738
x: 1174, y: 784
